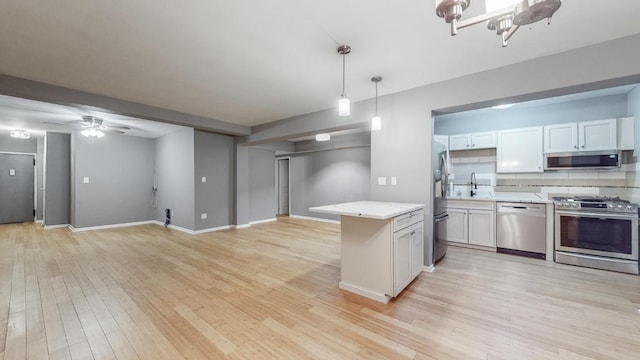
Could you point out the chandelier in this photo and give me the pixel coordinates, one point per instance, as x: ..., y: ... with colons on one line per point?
x: 502, y: 16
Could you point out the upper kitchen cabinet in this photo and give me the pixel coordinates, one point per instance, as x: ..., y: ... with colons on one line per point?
x: 442, y: 139
x: 609, y: 134
x: 520, y: 150
x: 481, y: 140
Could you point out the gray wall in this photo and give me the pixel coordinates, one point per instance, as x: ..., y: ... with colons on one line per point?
x: 35, y: 145
x: 525, y: 115
x: 174, y: 175
x: 120, y: 171
x: 262, y: 184
x: 58, y: 179
x: 329, y: 177
x: 40, y: 175
x: 9, y: 144
x: 214, y: 156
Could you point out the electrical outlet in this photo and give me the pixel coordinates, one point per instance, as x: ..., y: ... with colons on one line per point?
x: 204, y: 179
x: 394, y: 180
x: 203, y: 216
x: 382, y: 181
x: 85, y: 179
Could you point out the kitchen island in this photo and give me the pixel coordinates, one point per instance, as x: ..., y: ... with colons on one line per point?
x: 382, y: 248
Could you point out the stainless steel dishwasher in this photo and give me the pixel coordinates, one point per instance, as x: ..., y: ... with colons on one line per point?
x: 521, y: 229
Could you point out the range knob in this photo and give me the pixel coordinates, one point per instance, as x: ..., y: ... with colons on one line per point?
x: 574, y: 205
x: 629, y: 207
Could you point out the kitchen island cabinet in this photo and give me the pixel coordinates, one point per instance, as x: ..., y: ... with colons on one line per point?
x: 381, y: 246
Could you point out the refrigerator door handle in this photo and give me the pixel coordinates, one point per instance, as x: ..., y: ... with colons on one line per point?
x: 441, y: 218
x: 445, y: 175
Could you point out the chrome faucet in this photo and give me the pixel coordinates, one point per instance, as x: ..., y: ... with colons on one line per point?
x: 474, y: 184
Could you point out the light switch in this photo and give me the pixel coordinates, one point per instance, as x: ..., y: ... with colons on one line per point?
x: 382, y: 181
x: 394, y: 180
x: 85, y: 179
x: 12, y: 172
x: 203, y: 216
x: 204, y: 179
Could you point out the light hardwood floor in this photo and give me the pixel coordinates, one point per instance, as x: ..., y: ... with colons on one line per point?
x: 271, y: 292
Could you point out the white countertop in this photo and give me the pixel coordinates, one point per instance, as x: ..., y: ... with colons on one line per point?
x: 369, y: 209
x: 505, y: 196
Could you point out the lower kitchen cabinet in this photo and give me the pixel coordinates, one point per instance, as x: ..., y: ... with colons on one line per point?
x: 409, y: 252
x: 471, y: 222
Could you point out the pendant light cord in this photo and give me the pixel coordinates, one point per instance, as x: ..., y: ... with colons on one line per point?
x: 343, y: 73
x: 376, y: 98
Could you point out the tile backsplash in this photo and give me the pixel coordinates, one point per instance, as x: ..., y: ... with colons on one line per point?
x: 623, y: 182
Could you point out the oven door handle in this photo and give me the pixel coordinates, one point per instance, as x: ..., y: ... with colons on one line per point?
x: 603, y: 216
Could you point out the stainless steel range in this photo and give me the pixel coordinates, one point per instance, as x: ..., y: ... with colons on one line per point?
x: 597, y: 232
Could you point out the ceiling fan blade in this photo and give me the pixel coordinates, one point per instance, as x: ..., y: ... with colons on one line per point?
x: 112, y: 131
x: 55, y: 123
x: 121, y: 127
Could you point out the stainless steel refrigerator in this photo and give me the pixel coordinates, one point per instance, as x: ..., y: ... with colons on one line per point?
x: 439, y: 165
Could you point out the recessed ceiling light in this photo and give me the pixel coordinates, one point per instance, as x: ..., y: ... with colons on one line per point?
x: 502, y: 107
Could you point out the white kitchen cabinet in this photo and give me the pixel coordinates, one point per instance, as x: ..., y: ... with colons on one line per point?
x: 482, y: 225
x: 382, y: 248
x: 460, y: 142
x: 597, y: 135
x: 480, y: 140
x: 520, y: 150
x: 561, y: 138
x: 408, y: 255
x: 471, y: 223
x: 442, y: 139
x: 609, y: 134
x: 456, y: 225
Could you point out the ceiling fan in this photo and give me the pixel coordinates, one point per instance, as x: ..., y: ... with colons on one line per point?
x: 95, y: 127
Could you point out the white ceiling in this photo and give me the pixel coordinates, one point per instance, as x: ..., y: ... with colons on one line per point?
x: 38, y: 117
x: 253, y: 61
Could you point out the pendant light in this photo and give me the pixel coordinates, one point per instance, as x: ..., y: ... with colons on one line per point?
x: 344, y: 106
x: 376, y: 120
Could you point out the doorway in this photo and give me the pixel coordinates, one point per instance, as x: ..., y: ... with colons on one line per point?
x: 17, y: 179
x: 283, y: 185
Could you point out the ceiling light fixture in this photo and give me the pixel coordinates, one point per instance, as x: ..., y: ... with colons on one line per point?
x: 502, y: 106
x: 505, y: 21
x: 376, y: 120
x: 323, y: 137
x: 20, y: 134
x: 93, y: 126
x: 344, y: 106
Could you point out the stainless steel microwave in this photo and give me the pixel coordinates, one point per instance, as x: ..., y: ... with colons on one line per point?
x: 582, y: 160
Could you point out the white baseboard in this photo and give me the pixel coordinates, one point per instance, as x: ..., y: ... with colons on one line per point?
x: 111, y: 226
x: 241, y: 226
x: 194, y: 232
x: 313, y: 219
x: 429, y: 268
x: 39, y: 221
x: 51, y: 227
x: 262, y: 221
x: 363, y: 292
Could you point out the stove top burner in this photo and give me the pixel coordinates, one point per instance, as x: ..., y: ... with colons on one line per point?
x: 595, y: 203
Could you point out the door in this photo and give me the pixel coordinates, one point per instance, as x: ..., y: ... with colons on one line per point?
x: 283, y: 186
x: 417, y: 249
x: 455, y: 228
x: 402, y: 259
x: 459, y: 142
x: 520, y: 150
x: 16, y: 188
x: 483, y: 140
x: 561, y: 138
x: 598, y: 135
x: 481, y: 228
